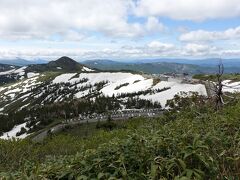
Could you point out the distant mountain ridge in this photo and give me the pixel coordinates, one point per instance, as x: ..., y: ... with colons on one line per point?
x: 22, y: 62
x: 164, y: 66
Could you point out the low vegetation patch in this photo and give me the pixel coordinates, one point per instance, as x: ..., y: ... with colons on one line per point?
x: 213, y: 77
x: 156, y: 81
x: 121, y: 85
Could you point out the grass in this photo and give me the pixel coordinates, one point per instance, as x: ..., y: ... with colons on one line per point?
x: 193, y: 142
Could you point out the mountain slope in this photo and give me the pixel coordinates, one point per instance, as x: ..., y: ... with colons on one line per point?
x: 7, y: 67
x: 49, y: 97
x: 11, y: 73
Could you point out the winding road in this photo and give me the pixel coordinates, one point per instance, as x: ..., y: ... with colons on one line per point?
x: 118, y: 116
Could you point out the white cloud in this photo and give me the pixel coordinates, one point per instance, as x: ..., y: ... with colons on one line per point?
x: 30, y: 19
x: 160, y: 46
x: 196, y: 10
x: 201, y: 35
x: 153, y: 25
x: 154, y: 49
x: 199, y: 50
x: 40, y: 19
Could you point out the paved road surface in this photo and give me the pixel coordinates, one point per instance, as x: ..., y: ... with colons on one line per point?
x: 41, y: 136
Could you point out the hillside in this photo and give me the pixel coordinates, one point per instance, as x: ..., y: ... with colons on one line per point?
x: 6, y: 67
x: 44, y: 94
x: 119, y: 88
x: 194, y: 142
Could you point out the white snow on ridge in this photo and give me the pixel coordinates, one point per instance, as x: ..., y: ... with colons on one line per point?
x: 7, y: 72
x: 175, y: 88
x: 131, y: 88
x: 119, y: 78
x: 12, y: 133
x: 32, y: 74
x: 63, y: 78
x: 131, y: 83
x: 107, y: 76
x: 20, y: 71
x: 18, y: 88
x: 87, y: 69
x: 81, y: 94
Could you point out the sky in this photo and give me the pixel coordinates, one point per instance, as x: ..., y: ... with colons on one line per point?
x: 119, y: 29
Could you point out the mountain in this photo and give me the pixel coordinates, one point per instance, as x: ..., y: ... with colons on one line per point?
x: 11, y: 73
x: 153, y: 68
x: 167, y: 66
x: 62, y: 64
x: 17, y: 62
x: 65, y: 63
x: 200, y: 62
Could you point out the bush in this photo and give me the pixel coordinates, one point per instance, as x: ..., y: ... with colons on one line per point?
x: 197, y: 143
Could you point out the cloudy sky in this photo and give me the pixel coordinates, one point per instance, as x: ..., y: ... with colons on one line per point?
x: 119, y: 29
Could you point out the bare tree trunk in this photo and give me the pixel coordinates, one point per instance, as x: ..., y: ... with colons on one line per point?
x: 219, y: 87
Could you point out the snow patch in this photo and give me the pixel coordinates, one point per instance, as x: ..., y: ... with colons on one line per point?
x: 87, y: 69
x: 12, y: 133
x: 63, y: 78
x: 175, y: 88
x: 32, y: 74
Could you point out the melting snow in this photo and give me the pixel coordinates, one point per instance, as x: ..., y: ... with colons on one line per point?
x: 63, y: 78
x: 20, y: 71
x: 87, y: 69
x: 230, y: 86
x: 32, y: 74
x: 12, y: 133
x: 175, y: 88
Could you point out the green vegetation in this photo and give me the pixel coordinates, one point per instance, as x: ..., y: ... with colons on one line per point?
x: 156, y: 81
x: 213, y: 77
x: 121, y: 85
x: 192, y: 141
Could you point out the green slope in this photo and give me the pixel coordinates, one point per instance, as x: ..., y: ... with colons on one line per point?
x: 195, y: 143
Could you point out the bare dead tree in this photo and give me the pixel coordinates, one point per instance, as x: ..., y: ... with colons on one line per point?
x: 216, y: 89
x: 219, y: 87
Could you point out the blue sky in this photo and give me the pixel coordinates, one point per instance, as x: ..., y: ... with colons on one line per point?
x: 119, y: 29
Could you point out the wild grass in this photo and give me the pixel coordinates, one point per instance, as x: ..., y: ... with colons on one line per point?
x: 194, y: 142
